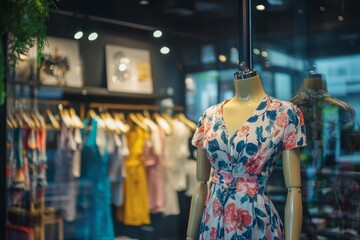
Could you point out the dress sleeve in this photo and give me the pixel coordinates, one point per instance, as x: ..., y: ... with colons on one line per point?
x: 198, y: 138
x: 294, y: 135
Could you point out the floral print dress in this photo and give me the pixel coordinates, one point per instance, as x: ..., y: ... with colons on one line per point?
x: 237, y: 206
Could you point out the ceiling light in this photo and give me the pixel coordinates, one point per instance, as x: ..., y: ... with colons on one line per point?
x: 340, y: 18
x: 256, y: 51
x: 322, y: 8
x: 157, y: 34
x: 78, y: 35
x: 93, y: 36
x: 264, y: 54
x: 165, y: 50
x: 143, y: 2
x: 260, y: 7
x: 222, y: 58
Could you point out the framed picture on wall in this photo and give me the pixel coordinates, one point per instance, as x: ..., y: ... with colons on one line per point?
x: 61, y: 63
x: 128, y: 70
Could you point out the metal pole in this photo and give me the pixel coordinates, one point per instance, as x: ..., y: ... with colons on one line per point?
x: 245, y: 32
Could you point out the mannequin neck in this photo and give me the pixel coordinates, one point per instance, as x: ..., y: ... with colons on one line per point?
x: 249, y: 88
x: 314, y: 84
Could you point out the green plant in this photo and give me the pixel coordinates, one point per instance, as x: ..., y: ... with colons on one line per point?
x: 25, y: 20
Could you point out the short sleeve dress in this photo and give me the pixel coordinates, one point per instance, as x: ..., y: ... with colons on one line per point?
x: 237, y: 206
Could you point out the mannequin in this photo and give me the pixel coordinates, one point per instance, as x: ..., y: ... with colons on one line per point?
x: 315, y: 103
x: 249, y: 94
x: 330, y: 130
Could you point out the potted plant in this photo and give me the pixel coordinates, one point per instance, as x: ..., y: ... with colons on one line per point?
x: 22, y: 24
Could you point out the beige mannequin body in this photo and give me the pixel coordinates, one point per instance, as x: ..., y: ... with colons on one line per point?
x: 248, y: 94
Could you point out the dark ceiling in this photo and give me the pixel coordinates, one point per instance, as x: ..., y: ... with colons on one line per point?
x: 304, y: 27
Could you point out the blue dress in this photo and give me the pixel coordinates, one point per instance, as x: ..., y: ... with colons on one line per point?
x: 95, y: 159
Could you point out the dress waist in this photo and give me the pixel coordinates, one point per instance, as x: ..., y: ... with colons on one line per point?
x: 240, y: 182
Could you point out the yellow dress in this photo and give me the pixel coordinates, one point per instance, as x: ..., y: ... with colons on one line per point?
x: 135, y: 210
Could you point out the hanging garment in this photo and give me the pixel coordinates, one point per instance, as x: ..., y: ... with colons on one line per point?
x: 95, y: 160
x: 237, y: 206
x: 16, y: 169
x: 153, y: 159
x: 65, y: 180
x: 178, y: 170
x: 118, y: 152
x: 170, y: 158
x: 15, y: 232
x: 135, y: 210
x: 41, y: 181
x: 31, y: 157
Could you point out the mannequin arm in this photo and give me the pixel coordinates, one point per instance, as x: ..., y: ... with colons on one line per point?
x: 199, y: 196
x: 293, y: 207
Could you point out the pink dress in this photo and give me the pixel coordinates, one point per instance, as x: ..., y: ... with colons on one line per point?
x: 237, y: 206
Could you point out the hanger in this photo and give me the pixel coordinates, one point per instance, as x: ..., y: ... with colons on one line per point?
x: 168, y: 119
x: 163, y: 123
x: 26, y: 119
x: 35, y: 119
x: 138, y: 122
x: 10, y: 121
x: 75, y: 118
x: 49, y: 115
x: 65, y: 117
x: 121, y: 122
x: 190, y: 124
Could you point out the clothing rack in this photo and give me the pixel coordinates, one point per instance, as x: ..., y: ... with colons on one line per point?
x: 41, y: 101
x: 134, y: 107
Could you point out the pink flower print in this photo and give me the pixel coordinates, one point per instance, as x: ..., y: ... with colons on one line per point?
x: 209, y: 137
x: 243, y: 218
x: 243, y: 130
x: 213, y: 233
x: 281, y: 120
x: 290, y: 140
x: 216, y: 207
x: 207, y: 218
x: 256, y: 162
x: 229, y: 217
x: 274, y: 105
x: 248, y: 186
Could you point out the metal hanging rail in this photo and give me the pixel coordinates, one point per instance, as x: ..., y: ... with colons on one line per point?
x: 134, y: 107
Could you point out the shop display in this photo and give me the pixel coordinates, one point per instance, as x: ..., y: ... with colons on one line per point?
x: 237, y: 205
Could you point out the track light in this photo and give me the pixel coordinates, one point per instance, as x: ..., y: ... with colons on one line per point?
x: 78, y: 35
x: 93, y: 36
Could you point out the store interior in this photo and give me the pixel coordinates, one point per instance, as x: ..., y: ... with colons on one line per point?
x: 122, y: 62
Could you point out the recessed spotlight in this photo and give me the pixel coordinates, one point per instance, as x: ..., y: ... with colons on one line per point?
x: 340, y: 18
x: 260, y: 7
x: 93, y: 36
x: 157, y: 34
x: 143, y: 2
x: 78, y: 35
x: 264, y: 54
x: 222, y: 58
x: 165, y: 50
x: 322, y: 8
x: 256, y: 51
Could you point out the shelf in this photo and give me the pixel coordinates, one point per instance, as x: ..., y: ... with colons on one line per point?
x: 95, y: 92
